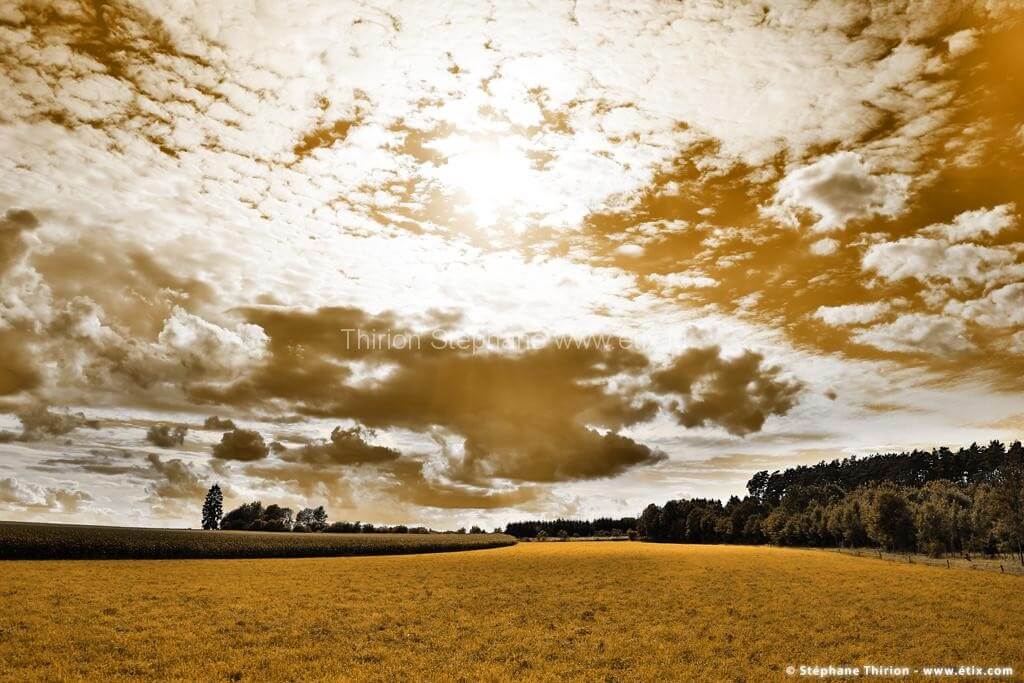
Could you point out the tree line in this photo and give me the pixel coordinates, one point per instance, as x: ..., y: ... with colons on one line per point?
x: 936, y: 502
x: 602, y: 526
x: 255, y: 516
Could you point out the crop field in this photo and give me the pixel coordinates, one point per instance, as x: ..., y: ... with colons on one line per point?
x: 66, y: 541
x: 554, y: 611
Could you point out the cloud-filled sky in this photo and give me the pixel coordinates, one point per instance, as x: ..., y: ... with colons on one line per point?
x: 456, y: 263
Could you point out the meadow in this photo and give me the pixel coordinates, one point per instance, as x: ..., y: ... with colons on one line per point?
x: 548, y: 611
x: 24, y: 540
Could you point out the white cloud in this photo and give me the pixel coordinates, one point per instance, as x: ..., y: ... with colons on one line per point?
x: 1003, y: 307
x: 685, y: 280
x: 973, y: 225
x: 1016, y: 343
x: 16, y: 495
x: 851, y: 314
x: 839, y: 188
x: 918, y: 332
x: 196, y: 343
x: 826, y: 246
x: 926, y: 259
x: 630, y: 250
x: 962, y: 42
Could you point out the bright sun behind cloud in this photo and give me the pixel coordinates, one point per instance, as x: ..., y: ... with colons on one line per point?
x: 492, y: 176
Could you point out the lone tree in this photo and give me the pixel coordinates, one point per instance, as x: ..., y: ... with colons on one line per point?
x: 213, y: 508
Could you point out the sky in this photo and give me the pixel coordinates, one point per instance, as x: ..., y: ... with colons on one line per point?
x: 472, y: 262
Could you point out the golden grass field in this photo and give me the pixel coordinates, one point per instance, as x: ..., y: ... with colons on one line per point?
x: 594, y: 611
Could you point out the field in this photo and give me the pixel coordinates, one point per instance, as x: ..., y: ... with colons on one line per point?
x: 586, y: 611
x: 67, y: 541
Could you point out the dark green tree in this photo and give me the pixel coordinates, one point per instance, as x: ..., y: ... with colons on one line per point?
x: 213, y: 508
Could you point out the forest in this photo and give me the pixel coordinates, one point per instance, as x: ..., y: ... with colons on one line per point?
x: 937, y: 502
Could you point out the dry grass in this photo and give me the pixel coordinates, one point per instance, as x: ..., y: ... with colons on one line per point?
x: 594, y: 611
x: 28, y: 541
x: 1004, y: 564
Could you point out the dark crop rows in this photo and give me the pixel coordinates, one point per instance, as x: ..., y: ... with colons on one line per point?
x: 25, y: 541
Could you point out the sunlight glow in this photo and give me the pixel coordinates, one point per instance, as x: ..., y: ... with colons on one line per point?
x: 494, y: 175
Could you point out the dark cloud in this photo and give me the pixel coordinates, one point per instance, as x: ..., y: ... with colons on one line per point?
x: 114, y: 462
x: 562, y: 452
x: 538, y: 415
x: 323, y: 136
x: 12, y: 246
x: 241, y: 444
x: 136, y: 290
x: 215, y: 423
x: 166, y: 436
x: 345, y: 447
x: 17, y: 372
x: 737, y: 394
x: 174, y: 479
x: 39, y: 422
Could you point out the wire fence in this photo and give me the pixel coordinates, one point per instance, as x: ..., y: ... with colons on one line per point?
x: 1004, y: 564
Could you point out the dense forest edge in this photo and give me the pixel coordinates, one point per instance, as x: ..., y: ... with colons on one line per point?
x: 935, y: 502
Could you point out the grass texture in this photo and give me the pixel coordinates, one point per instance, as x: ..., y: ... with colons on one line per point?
x: 534, y: 611
x: 27, y: 541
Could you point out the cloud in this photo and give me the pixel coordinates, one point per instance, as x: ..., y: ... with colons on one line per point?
x: 737, y: 394
x: 15, y: 495
x: 241, y: 444
x: 411, y: 486
x: 215, y: 423
x: 1002, y: 307
x: 241, y: 157
x: 175, y: 479
x: 18, y: 372
x: 919, y: 333
x: 527, y: 416
x: 826, y: 246
x: 1016, y: 343
x: 851, y: 314
x: 115, y: 462
x: 345, y: 447
x: 39, y: 422
x: 13, y: 225
x: 630, y: 250
x: 166, y: 436
x: 976, y: 224
x: 926, y: 259
x: 962, y: 42
x: 685, y: 280
x: 204, y: 348
x: 549, y: 453
x: 839, y: 188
